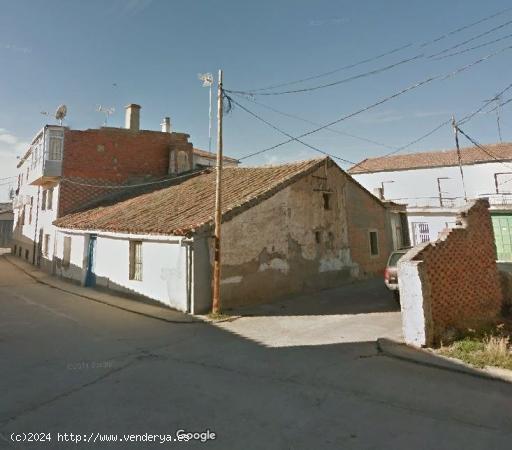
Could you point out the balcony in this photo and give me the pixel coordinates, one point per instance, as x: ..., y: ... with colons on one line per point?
x: 43, y: 163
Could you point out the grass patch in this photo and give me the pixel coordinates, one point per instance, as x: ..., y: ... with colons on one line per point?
x: 490, y: 349
x: 218, y: 316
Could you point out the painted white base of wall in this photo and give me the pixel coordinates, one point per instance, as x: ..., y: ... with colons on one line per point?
x: 164, y: 267
x: 411, y: 303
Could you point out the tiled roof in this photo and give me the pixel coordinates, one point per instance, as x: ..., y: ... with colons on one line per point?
x: 441, y: 158
x: 213, y: 156
x: 188, y: 206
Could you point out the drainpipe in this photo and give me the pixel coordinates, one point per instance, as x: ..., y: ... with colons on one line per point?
x: 35, y: 225
x: 187, y: 242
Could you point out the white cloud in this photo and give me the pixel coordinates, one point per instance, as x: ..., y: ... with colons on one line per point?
x: 331, y: 21
x: 10, y: 147
x: 15, y: 48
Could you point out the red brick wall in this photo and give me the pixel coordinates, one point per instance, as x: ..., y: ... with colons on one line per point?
x: 460, y: 279
x: 112, y: 156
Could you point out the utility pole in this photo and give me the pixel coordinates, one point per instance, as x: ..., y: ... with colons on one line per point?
x: 456, y: 132
x: 498, y: 112
x: 218, y: 202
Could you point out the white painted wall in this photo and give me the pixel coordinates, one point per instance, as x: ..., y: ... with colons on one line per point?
x: 164, y: 265
x: 411, y: 303
x: 418, y: 189
x: 415, y: 183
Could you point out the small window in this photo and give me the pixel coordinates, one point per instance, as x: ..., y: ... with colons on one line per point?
x: 136, y: 260
x: 327, y: 200
x: 49, y: 201
x: 374, y: 243
x: 43, y: 200
x: 46, y: 244
x: 318, y: 237
x: 66, y: 256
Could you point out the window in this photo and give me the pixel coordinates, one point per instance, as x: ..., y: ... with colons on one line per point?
x: 421, y: 232
x: 43, y: 200
x: 46, y: 244
x: 318, y: 237
x: 26, y: 254
x: 327, y: 200
x: 30, y: 215
x: 55, y: 149
x: 136, y: 260
x: 66, y: 256
x: 374, y: 243
x: 49, y: 201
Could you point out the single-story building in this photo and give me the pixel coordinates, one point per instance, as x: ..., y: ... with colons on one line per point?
x: 286, y: 229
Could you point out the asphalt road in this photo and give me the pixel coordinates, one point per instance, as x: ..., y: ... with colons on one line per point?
x: 70, y: 365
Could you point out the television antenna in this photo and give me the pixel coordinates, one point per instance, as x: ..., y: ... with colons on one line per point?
x: 107, y: 111
x: 207, y: 79
x: 61, y: 112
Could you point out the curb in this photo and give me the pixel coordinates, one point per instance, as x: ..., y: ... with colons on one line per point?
x: 404, y: 352
x: 191, y: 320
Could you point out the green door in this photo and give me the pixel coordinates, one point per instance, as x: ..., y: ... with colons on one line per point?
x: 502, y: 226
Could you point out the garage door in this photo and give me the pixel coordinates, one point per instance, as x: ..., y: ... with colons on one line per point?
x: 502, y: 225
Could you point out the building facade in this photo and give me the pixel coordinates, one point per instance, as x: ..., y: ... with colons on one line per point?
x: 6, y: 221
x: 286, y: 229
x: 434, y: 186
x: 64, y: 170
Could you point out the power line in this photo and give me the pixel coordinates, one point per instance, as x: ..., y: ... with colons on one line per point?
x: 465, y: 27
x: 379, y: 56
x: 285, y: 133
x: 333, y: 130
x: 481, y: 147
x: 382, y: 101
x: 485, y: 44
x: 474, y: 38
x: 127, y: 186
x: 334, y: 83
x: 365, y: 74
x: 331, y: 72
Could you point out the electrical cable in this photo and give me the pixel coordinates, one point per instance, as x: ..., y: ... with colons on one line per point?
x: 379, y: 56
x: 382, y: 101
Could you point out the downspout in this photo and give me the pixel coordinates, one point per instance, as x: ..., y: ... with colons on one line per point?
x: 35, y: 226
x: 187, y: 243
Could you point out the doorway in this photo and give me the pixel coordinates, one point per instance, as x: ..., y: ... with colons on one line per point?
x: 90, y: 276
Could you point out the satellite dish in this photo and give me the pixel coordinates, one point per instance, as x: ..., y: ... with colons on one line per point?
x: 61, y: 113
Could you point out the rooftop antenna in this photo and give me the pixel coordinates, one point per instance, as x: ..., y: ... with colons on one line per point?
x: 107, y: 111
x: 61, y: 112
x: 207, y: 79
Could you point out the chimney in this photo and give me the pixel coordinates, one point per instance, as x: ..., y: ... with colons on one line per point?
x: 132, y: 118
x: 166, y: 125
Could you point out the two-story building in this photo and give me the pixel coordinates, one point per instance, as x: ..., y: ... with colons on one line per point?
x: 434, y: 185
x: 65, y: 169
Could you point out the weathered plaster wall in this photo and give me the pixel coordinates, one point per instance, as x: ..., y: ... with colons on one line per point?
x: 365, y: 213
x: 457, y: 285
x: 290, y: 242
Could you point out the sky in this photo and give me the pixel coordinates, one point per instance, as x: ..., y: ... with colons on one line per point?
x: 150, y: 52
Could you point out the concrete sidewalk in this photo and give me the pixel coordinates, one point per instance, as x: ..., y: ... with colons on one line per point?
x: 116, y: 301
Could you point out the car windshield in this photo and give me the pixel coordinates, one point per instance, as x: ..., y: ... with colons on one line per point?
x: 393, y: 259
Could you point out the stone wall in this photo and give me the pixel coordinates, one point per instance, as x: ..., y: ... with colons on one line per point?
x: 451, y: 283
x: 294, y: 241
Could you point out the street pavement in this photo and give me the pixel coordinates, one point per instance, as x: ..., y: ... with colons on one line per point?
x: 72, y: 365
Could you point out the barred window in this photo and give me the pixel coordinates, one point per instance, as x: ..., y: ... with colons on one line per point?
x: 135, y: 260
